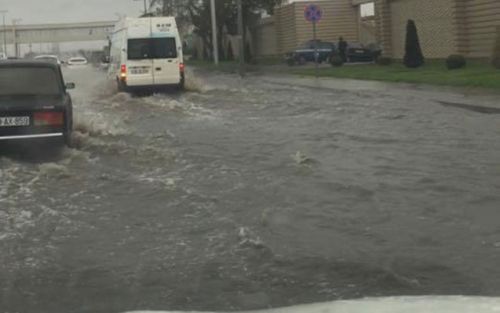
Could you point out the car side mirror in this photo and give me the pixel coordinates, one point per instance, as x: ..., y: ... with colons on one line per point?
x: 70, y: 86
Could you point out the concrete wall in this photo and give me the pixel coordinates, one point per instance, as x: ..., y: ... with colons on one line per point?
x: 265, y: 38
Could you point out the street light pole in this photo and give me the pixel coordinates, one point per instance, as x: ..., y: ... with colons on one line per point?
x: 215, y: 42
x: 241, y: 49
x: 3, y: 12
x: 14, y: 34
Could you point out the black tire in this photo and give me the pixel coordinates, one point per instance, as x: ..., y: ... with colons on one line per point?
x: 182, y: 83
x: 68, y: 134
x: 68, y: 139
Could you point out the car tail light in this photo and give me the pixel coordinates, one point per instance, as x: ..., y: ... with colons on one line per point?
x: 123, y: 71
x: 48, y: 119
x: 181, y: 67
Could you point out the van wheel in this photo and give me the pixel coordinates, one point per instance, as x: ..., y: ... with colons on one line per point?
x: 181, y: 84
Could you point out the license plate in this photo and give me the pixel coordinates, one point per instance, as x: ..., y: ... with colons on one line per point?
x: 139, y: 71
x: 13, y: 121
x: 360, y: 51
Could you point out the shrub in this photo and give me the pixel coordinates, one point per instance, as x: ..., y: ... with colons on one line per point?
x: 194, y: 54
x: 413, y: 52
x: 495, y: 60
x: 455, y: 61
x: 384, y: 61
x: 336, y: 61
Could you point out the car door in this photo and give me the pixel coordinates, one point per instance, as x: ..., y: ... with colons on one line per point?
x: 166, y: 61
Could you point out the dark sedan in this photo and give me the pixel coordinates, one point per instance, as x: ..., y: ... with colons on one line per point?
x: 34, y: 102
x: 357, y: 52
x: 305, y: 53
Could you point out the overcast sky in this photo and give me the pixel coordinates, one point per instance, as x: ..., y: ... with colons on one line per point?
x: 53, y: 11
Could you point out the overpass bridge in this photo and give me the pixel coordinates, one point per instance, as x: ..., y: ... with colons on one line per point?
x: 55, y: 33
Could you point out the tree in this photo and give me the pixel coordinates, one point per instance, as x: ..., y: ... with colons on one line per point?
x: 413, y: 52
x: 229, y: 54
x: 495, y: 60
x: 177, y: 8
x: 226, y: 13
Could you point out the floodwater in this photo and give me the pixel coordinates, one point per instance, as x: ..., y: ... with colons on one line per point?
x: 252, y: 193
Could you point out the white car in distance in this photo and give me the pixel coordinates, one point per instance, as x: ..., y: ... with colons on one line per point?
x: 77, y: 62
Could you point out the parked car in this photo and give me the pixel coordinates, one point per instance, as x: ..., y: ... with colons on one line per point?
x: 357, y: 52
x: 49, y: 58
x: 77, y: 62
x: 34, y: 102
x: 305, y: 52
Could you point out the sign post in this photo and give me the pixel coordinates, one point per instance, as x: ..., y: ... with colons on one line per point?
x: 313, y: 14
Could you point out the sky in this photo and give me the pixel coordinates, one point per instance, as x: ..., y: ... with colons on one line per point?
x: 54, y: 11
x: 66, y: 11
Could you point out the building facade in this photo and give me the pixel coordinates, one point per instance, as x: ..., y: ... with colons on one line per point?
x: 445, y: 27
x: 287, y: 28
x: 467, y: 27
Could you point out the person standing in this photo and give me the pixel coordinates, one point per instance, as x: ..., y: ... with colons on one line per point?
x: 342, y: 44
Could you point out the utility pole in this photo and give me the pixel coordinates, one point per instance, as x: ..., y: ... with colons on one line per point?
x: 215, y: 43
x: 241, y: 48
x: 3, y: 12
x: 14, y: 34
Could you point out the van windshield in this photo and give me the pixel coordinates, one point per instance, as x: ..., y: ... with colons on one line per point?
x: 38, y: 81
x: 152, y: 48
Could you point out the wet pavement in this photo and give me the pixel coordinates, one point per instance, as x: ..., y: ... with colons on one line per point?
x: 253, y: 193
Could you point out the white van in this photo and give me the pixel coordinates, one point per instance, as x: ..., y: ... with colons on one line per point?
x: 146, y: 52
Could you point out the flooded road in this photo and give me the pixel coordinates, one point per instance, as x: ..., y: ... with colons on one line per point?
x: 254, y: 193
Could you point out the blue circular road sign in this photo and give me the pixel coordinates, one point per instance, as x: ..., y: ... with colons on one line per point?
x: 313, y: 13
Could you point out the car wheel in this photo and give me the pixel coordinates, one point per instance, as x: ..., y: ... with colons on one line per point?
x: 68, y: 139
x: 68, y: 134
x: 120, y: 86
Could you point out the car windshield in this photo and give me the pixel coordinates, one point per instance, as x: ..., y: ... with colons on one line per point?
x: 203, y: 156
x: 152, y: 48
x: 15, y: 81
